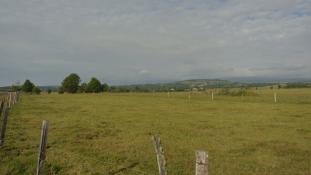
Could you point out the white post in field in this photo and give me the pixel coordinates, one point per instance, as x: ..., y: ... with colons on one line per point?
x: 275, y: 97
x: 212, y: 95
x: 201, y: 164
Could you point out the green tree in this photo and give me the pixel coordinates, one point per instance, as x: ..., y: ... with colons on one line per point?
x: 105, y: 87
x: 36, y: 90
x: 82, y: 88
x: 27, y: 86
x: 49, y: 91
x: 94, y: 85
x: 71, y: 83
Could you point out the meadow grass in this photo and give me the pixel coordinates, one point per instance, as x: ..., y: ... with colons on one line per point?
x: 110, y: 133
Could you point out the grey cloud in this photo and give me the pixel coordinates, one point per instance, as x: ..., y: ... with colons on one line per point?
x: 117, y: 40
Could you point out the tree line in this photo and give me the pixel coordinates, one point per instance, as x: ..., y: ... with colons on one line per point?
x: 27, y: 87
x: 71, y: 84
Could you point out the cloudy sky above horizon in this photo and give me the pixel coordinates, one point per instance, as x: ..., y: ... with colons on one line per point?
x: 143, y: 41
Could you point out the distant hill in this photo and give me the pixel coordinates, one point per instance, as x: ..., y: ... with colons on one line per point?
x: 205, y: 82
x: 199, y: 84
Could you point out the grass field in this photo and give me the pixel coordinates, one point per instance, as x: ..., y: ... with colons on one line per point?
x: 110, y: 133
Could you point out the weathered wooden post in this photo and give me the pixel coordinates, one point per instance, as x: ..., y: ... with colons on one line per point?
x: 42, y: 147
x: 1, y: 107
x: 10, y: 99
x: 14, y: 98
x: 160, y: 155
x: 201, y: 164
x: 5, y: 114
x: 275, y: 97
x: 212, y: 95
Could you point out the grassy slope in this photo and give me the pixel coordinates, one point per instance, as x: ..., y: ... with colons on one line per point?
x: 104, y: 133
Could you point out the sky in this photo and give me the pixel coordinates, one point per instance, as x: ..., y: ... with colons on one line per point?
x: 146, y: 41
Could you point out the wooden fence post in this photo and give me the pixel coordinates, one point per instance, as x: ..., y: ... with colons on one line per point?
x: 10, y: 99
x: 1, y: 107
x: 201, y: 164
x: 5, y: 114
x: 275, y: 97
x: 160, y: 155
x: 212, y: 95
x: 42, y: 147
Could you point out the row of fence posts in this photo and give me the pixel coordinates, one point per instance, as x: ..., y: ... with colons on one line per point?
x: 6, y: 103
x: 212, y: 96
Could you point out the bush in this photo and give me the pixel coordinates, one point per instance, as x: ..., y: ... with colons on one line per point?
x: 49, y: 91
x: 94, y: 85
x: 15, y: 88
x: 28, y: 86
x: 36, y: 90
x: 60, y: 90
x: 71, y: 83
x: 105, y: 87
x: 240, y: 92
x: 82, y: 88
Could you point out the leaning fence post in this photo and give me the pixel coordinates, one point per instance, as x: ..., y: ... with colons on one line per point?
x: 5, y: 114
x: 160, y: 155
x: 42, y: 147
x: 201, y: 164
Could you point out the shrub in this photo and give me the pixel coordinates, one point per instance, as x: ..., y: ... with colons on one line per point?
x: 36, y: 90
x: 105, y: 87
x: 60, y: 90
x: 49, y: 91
x: 82, y: 88
x: 240, y: 92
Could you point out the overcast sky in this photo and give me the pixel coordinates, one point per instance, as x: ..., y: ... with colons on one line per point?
x: 140, y: 41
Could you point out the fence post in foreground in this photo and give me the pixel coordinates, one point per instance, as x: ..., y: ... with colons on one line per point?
x: 42, y: 147
x: 160, y: 155
x: 201, y: 164
x: 5, y: 114
x: 212, y: 95
x: 275, y: 97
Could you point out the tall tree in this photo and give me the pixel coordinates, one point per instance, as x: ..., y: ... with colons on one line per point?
x: 27, y: 86
x: 94, y: 85
x: 71, y: 83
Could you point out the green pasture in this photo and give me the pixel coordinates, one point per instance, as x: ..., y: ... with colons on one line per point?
x: 110, y: 133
